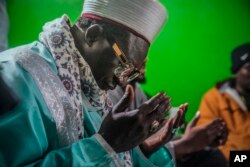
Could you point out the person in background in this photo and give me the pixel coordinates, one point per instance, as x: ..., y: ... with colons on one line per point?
x: 4, y: 26
x: 230, y: 100
x: 194, y: 147
x: 64, y: 117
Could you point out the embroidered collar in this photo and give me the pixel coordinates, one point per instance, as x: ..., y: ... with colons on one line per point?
x: 226, y: 88
x: 73, y: 70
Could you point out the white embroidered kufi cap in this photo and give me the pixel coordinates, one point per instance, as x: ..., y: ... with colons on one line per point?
x: 142, y: 17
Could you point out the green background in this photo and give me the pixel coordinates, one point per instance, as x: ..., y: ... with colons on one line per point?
x: 187, y: 58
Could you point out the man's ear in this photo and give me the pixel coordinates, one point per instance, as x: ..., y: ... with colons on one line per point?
x: 93, y: 33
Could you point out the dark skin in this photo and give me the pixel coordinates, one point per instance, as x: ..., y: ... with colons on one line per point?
x: 164, y: 135
x: 212, y: 134
x: 121, y: 129
x: 98, y: 53
x: 133, y: 125
x: 243, y: 79
x: 195, y: 138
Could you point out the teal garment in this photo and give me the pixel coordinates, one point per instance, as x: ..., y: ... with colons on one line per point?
x: 29, y: 135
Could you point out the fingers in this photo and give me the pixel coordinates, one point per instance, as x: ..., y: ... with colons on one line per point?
x: 217, y: 124
x: 213, y: 132
x: 167, y: 132
x: 130, y: 91
x: 124, y: 75
x: 152, y: 103
x: 161, y: 137
x: 184, y: 107
x: 217, y: 132
x: 223, y: 135
x: 179, y: 119
x: 223, y: 138
x: 125, y: 101
x: 195, y: 120
x: 159, y: 112
x: 215, y: 127
x: 220, y: 139
x: 164, y: 106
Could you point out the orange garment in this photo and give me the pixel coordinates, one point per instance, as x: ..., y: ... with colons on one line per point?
x: 228, y: 106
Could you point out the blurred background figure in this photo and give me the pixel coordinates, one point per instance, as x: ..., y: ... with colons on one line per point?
x: 4, y: 26
x: 230, y: 100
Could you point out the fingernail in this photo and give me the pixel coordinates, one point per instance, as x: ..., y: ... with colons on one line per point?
x: 162, y: 95
x: 170, y: 99
x: 198, y: 113
x: 169, y: 107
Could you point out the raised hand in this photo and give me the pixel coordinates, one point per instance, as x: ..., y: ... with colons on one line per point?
x: 158, y: 139
x: 179, y: 119
x: 165, y: 134
x: 198, y: 137
x: 124, y: 129
x: 211, y: 134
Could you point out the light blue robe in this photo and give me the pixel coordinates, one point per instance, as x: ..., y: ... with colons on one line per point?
x: 29, y: 133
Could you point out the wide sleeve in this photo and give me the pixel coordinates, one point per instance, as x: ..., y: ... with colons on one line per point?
x: 29, y: 135
x: 161, y: 158
x: 27, y: 146
x: 87, y: 152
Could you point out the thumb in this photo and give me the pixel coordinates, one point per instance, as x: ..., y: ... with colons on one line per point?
x: 126, y: 100
x: 195, y: 120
